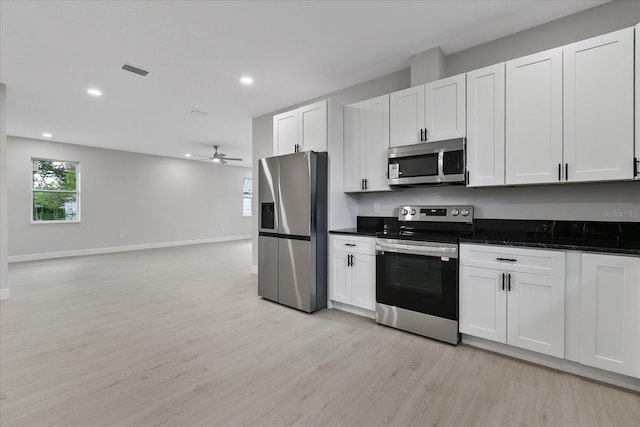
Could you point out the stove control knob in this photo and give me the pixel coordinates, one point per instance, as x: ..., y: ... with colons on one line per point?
x: 413, y: 211
x: 405, y: 212
x: 465, y: 212
x: 455, y: 212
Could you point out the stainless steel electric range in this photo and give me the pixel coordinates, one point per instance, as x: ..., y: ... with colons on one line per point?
x: 417, y: 270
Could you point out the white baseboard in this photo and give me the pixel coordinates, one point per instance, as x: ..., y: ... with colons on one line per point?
x: 112, y: 249
x: 4, y: 294
x: 254, y: 269
x: 554, y: 363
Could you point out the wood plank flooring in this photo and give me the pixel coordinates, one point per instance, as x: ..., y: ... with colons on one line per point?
x: 178, y: 337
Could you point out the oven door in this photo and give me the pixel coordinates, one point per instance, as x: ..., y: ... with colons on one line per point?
x: 410, y: 277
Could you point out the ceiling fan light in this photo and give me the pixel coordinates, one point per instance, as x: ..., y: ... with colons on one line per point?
x: 215, y: 160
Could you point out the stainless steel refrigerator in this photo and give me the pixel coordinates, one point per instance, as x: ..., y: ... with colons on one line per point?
x: 292, y: 239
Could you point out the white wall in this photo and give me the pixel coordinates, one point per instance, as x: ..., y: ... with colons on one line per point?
x: 126, y: 199
x: 4, y: 283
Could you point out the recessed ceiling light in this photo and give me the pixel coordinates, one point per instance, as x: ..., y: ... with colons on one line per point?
x: 246, y: 80
x: 47, y: 135
x: 94, y: 92
x: 187, y: 155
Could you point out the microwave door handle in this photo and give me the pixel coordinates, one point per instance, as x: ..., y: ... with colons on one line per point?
x: 441, y: 164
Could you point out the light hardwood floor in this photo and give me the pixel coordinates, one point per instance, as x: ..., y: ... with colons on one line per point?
x: 178, y: 337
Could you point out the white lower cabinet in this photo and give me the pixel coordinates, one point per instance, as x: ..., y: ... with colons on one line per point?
x: 610, y: 313
x: 352, y: 269
x: 509, y: 305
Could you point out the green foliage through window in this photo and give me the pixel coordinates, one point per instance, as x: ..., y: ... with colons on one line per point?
x: 55, y: 191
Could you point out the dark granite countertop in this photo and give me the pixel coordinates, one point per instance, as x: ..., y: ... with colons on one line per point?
x: 587, y: 236
x: 355, y: 231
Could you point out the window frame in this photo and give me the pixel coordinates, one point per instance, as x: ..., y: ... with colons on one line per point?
x: 248, y: 196
x: 77, y: 192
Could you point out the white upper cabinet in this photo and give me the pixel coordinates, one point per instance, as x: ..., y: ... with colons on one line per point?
x: 285, y: 132
x: 302, y: 129
x: 485, y: 126
x: 313, y: 127
x: 366, y: 142
x: 444, y: 109
x: 637, y: 154
x: 598, y: 108
x: 610, y: 318
x: 534, y: 118
x: 429, y: 112
x: 407, y: 116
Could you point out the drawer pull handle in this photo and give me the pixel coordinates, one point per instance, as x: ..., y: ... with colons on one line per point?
x: 349, y: 244
x: 507, y: 259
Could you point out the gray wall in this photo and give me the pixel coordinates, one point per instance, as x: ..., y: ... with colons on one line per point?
x: 583, y: 25
x: 126, y: 199
x: 4, y: 284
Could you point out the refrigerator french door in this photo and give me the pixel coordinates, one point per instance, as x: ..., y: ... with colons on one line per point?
x: 292, y: 199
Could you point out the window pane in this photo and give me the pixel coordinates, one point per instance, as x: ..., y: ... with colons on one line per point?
x: 247, y: 186
x: 52, y: 175
x: 246, y: 206
x: 56, y: 206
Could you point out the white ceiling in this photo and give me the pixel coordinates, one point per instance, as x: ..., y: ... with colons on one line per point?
x: 52, y: 51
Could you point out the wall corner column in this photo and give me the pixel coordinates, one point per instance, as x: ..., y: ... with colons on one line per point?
x: 4, y: 246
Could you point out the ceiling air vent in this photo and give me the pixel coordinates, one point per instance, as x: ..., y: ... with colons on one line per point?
x: 135, y: 70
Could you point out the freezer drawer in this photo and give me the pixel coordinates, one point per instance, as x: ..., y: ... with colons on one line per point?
x: 268, y: 267
x: 296, y: 287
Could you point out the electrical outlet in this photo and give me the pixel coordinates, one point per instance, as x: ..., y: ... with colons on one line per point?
x: 376, y: 207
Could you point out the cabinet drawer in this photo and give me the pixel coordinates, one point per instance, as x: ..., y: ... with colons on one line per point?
x: 509, y: 258
x: 354, y: 244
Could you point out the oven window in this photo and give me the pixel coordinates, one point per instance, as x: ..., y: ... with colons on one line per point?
x: 422, y: 275
x: 425, y: 284
x: 426, y: 165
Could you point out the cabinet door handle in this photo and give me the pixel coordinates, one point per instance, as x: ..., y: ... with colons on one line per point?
x: 566, y: 171
x: 559, y: 172
x: 425, y: 134
x: 421, y: 135
x: 366, y: 184
x: 348, y: 260
x: 507, y: 259
x: 503, y: 279
x: 351, y: 260
x: 509, y: 282
x: 636, y: 166
x: 350, y: 244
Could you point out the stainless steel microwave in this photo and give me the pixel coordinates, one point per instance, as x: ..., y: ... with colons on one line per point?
x: 440, y: 162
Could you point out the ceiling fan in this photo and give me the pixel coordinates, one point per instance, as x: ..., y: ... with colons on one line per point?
x: 217, y: 157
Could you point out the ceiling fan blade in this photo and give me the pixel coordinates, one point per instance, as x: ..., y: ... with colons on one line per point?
x: 233, y: 158
x: 200, y: 155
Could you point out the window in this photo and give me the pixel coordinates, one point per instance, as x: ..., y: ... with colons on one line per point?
x: 247, y: 196
x: 55, y: 192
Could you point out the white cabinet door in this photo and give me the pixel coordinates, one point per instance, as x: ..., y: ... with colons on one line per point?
x: 313, y: 127
x: 363, y: 282
x: 445, y: 109
x: 637, y: 154
x: 285, y: 132
x: 352, y: 147
x: 483, y: 303
x: 375, y: 143
x: 340, y: 287
x: 598, y: 107
x: 610, y: 314
x: 406, y: 108
x: 535, y: 313
x: 534, y: 118
x: 485, y: 126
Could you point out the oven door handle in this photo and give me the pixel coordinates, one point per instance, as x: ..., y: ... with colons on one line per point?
x: 418, y: 250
